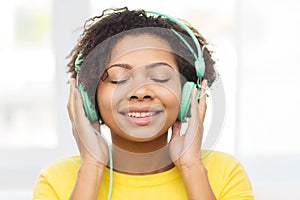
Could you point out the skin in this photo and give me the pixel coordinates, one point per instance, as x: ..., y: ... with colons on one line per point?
x: 142, y: 89
x: 138, y: 91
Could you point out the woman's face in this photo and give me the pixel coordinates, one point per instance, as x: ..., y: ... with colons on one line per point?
x: 140, y: 97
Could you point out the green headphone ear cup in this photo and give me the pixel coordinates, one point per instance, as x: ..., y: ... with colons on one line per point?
x: 89, y: 109
x: 185, y: 104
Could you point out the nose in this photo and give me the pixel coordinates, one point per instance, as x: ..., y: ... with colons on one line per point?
x: 141, y: 93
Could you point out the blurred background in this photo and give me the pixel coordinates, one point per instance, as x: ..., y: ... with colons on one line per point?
x: 256, y: 43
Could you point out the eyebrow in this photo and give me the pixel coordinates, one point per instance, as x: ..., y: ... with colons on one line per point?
x: 152, y: 65
x: 158, y: 64
x: 123, y: 65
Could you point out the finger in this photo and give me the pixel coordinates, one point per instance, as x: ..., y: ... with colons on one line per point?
x: 175, y: 129
x: 86, y: 137
x: 194, y: 103
x: 202, y: 104
x: 194, y: 120
x: 76, y: 135
x: 78, y: 111
x: 71, y: 99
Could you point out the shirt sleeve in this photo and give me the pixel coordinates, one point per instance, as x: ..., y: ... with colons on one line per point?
x: 236, y: 185
x: 43, y: 190
x: 57, y: 179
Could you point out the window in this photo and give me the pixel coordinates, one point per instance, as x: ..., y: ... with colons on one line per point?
x: 269, y: 109
x: 27, y: 114
x: 34, y: 125
x: 268, y: 101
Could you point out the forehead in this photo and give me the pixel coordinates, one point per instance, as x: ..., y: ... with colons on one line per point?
x: 134, y: 43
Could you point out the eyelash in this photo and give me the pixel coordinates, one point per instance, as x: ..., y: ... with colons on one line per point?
x: 118, y: 82
x: 153, y: 79
x: 160, y: 80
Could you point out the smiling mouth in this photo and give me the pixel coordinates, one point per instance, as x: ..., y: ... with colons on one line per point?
x: 141, y: 118
x: 141, y: 114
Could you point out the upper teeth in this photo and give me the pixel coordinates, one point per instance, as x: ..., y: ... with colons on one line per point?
x: 140, y: 114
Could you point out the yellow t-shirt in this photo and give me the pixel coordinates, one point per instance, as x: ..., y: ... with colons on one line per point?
x: 227, y: 178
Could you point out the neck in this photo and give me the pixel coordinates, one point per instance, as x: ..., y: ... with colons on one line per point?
x: 141, y: 157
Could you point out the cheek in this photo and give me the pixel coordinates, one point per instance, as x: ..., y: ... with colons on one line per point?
x: 108, y: 99
x: 104, y: 97
x: 171, y: 97
x: 173, y: 104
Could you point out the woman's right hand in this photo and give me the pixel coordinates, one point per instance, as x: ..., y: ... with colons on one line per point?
x: 92, y: 148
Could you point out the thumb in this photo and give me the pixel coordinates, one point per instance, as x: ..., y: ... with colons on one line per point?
x: 176, y: 129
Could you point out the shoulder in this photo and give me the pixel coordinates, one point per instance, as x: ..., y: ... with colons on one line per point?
x: 64, y: 165
x: 227, y: 176
x: 57, y: 178
x: 70, y: 161
x: 221, y: 163
x: 211, y: 156
x: 62, y: 168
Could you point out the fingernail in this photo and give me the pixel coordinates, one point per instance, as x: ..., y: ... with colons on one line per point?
x: 205, y: 82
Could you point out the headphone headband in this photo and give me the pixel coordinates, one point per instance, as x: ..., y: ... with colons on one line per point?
x: 199, y: 60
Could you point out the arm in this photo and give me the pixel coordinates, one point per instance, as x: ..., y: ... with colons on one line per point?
x: 88, y: 181
x: 185, y: 151
x: 196, y: 181
x: 92, y: 148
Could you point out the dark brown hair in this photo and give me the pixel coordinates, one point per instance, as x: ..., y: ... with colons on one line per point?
x: 120, y: 22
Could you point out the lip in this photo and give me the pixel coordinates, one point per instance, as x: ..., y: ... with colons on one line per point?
x: 140, y: 109
x: 141, y: 115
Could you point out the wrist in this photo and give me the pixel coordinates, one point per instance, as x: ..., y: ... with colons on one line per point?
x: 97, y: 160
x: 195, y: 164
x: 89, y: 177
x: 91, y: 166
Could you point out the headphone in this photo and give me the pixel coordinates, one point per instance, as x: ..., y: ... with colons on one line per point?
x: 185, y: 104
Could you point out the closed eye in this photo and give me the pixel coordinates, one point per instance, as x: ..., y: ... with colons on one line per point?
x: 118, y: 81
x: 160, y: 80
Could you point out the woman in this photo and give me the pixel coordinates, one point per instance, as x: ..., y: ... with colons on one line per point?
x: 142, y: 75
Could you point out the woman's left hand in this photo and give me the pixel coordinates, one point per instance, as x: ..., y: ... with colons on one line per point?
x: 185, y: 149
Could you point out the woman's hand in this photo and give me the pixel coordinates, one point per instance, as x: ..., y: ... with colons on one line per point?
x: 185, y: 149
x: 92, y: 148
